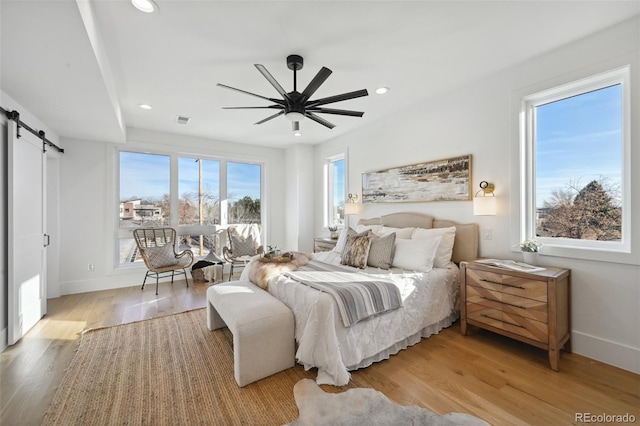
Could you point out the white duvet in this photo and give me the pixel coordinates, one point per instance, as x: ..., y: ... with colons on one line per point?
x: 429, y: 304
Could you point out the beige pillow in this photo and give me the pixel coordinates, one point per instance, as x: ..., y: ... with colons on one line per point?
x: 243, y: 246
x: 381, y: 251
x: 404, y: 233
x: 161, y: 256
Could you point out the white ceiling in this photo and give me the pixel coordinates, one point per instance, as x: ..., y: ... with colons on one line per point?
x: 83, y: 67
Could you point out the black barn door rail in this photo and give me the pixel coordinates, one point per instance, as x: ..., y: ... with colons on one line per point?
x: 15, y: 116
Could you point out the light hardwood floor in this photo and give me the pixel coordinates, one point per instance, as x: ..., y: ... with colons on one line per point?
x: 487, y: 375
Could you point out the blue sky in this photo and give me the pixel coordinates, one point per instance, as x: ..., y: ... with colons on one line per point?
x: 338, y: 183
x: 579, y: 139
x: 147, y: 176
x: 143, y: 175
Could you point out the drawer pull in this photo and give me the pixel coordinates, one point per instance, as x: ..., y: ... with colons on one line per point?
x: 501, y: 320
x: 506, y: 285
x: 503, y: 303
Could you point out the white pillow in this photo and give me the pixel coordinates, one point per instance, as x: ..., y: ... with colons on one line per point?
x: 373, y: 228
x: 342, y: 240
x: 415, y: 255
x: 404, y: 233
x: 445, y: 248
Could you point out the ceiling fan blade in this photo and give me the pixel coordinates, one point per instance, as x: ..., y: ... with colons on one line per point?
x: 317, y: 81
x: 336, y: 111
x: 317, y: 119
x: 272, y: 80
x: 337, y: 98
x: 257, y: 107
x: 277, y: 101
x: 270, y: 117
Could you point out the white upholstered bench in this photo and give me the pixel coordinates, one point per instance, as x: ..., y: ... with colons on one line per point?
x: 262, y: 328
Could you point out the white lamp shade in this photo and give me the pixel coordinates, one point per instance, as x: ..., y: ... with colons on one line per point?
x: 351, y: 208
x: 484, y: 206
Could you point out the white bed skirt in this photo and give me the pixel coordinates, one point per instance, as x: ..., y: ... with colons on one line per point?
x: 409, y: 341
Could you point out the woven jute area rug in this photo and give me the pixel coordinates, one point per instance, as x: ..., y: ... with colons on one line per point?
x: 170, y: 370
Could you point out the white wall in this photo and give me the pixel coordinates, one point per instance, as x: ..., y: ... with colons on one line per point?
x: 300, y: 218
x: 89, y: 209
x: 478, y: 119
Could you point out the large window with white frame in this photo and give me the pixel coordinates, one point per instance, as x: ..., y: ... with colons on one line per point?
x: 575, y: 176
x: 335, y: 185
x: 197, y: 196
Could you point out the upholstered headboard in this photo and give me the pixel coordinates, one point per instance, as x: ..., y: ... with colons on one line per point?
x: 465, y: 246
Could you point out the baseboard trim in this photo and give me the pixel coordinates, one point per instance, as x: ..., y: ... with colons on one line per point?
x: 108, y: 283
x: 3, y: 340
x: 612, y: 353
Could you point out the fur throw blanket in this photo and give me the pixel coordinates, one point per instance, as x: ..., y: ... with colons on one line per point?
x: 261, y: 269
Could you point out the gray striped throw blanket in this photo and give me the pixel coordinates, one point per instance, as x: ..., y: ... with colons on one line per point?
x: 357, y: 295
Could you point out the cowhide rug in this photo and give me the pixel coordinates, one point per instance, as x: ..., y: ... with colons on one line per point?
x: 362, y: 406
x: 261, y: 270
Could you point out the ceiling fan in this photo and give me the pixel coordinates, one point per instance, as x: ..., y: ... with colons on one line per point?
x: 294, y: 105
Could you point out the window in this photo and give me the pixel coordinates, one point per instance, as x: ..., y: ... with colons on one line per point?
x: 186, y: 193
x: 336, y: 190
x: 243, y: 193
x: 575, y: 177
x: 199, y: 191
x: 144, y: 190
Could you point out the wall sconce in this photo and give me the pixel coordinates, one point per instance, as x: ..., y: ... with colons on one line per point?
x: 351, y: 206
x: 485, y: 204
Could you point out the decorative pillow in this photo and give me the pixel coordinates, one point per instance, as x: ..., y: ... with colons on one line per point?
x: 445, y: 249
x: 342, y: 239
x: 404, y: 233
x: 161, y: 256
x: 381, y: 251
x: 356, y: 251
x: 363, y: 228
x: 415, y: 255
x: 243, y: 246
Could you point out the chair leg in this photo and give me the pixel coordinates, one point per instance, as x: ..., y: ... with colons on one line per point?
x: 186, y: 277
x: 157, y: 279
x: 172, y: 274
x: 231, y: 272
x: 145, y: 280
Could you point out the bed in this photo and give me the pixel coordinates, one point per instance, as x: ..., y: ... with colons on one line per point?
x: 429, y: 298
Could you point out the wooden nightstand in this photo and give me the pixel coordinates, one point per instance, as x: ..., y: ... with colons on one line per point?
x: 531, y: 307
x: 323, y: 244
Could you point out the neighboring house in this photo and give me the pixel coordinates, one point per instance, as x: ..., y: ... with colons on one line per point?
x: 127, y: 209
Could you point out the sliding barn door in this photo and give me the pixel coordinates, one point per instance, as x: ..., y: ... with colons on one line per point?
x: 26, y: 231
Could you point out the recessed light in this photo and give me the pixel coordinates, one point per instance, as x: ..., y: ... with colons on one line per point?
x: 382, y: 90
x: 146, y: 6
x: 145, y: 106
x: 297, y: 134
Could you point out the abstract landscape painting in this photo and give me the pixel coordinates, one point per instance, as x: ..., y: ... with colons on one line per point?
x: 440, y: 180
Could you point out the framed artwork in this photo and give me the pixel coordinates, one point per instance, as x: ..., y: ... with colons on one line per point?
x: 440, y: 180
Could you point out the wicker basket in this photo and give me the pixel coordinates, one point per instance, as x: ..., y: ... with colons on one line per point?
x: 198, y: 274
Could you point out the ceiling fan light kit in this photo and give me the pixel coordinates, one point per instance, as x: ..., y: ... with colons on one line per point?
x: 295, y: 106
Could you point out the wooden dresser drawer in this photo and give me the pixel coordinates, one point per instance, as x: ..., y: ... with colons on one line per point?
x: 528, y: 308
x: 498, y: 318
x: 509, y: 284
